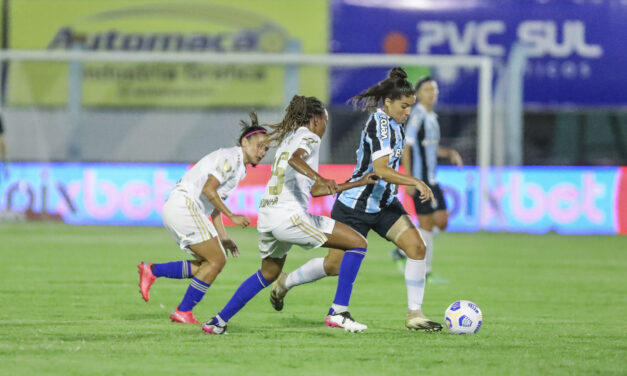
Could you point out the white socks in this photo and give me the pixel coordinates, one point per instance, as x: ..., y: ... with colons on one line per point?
x: 310, y: 271
x: 338, y: 308
x: 428, y: 236
x: 415, y: 281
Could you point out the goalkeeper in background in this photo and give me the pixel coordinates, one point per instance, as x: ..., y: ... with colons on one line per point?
x: 420, y: 159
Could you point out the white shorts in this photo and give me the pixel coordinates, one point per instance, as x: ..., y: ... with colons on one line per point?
x: 304, y: 229
x: 185, y: 220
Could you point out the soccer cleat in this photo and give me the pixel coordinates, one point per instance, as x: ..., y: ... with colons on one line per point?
x: 345, y: 321
x: 183, y: 317
x: 416, y: 320
x: 213, y: 327
x: 146, y: 279
x: 278, y: 292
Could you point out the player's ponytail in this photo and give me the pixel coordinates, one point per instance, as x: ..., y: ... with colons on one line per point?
x: 394, y: 87
x: 297, y: 114
x: 251, y: 129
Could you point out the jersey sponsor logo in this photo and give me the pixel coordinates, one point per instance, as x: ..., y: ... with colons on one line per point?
x: 384, y: 129
x: 269, y: 202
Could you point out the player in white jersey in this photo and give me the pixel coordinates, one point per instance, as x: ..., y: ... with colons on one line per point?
x: 200, y: 194
x: 283, y: 218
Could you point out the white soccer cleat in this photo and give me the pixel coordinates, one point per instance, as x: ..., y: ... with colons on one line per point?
x: 278, y: 292
x: 344, y: 321
x: 416, y: 320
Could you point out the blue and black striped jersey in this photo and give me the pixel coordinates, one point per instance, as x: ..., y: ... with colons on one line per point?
x: 423, y: 135
x: 381, y: 136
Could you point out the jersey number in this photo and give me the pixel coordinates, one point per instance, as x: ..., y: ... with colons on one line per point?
x: 279, y: 172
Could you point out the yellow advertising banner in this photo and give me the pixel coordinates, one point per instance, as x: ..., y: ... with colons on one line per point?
x: 217, y: 26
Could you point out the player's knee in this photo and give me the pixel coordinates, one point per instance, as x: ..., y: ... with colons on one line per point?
x: 217, y: 263
x: 441, y: 223
x: 270, y: 275
x: 416, y: 251
x: 361, y: 243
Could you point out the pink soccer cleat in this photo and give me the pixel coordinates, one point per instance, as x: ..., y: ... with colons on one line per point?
x: 146, y: 279
x: 213, y: 327
x: 183, y: 317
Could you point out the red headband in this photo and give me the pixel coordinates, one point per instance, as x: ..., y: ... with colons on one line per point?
x: 253, y: 132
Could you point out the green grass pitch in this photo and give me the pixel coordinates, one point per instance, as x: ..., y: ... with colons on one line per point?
x: 552, y: 305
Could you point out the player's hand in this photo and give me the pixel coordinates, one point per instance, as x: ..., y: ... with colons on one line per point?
x: 230, y: 246
x: 425, y: 192
x: 240, y: 220
x: 369, y: 178
x: 410, y: 190
x: 330, y: 185
x: 456, y: 159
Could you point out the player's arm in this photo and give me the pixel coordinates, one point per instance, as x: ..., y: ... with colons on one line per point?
x: 227, y: 243
x: 321, y: 190
x: 321, y: 185
x: 210, y: 190
x: 452, y: 156
x: 387, y: 173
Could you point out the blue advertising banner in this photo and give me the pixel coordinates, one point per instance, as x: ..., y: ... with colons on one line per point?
x: 567, y: 200
x: 90, y: 193
x: 575, y: 48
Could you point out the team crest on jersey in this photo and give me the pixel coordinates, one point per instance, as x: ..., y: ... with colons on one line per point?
x: 226, y: 168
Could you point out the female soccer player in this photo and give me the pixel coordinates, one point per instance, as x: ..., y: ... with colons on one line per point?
x: 198, y: 195
x: 420, y: 159
x: 376, y: 206
x: 283, y: 218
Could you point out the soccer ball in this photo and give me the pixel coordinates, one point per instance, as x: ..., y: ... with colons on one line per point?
x: 463, y: 317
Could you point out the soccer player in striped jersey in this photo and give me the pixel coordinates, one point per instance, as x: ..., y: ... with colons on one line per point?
x: 283, y: 218
x: 200, y: 194
x: 376, y: 206
x: 420, y: 159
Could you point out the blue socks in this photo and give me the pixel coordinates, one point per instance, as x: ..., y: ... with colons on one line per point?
x: 348, y: 272
x: 246, y: 291
x: 195, y: 292
x: 176, y: 269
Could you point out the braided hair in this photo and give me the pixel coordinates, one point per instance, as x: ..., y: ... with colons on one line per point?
x: 251, y: 129
x: 394, y: 87
x: 298, y: 113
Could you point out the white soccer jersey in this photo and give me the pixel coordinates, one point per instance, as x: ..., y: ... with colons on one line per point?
x: 226, y: 165
x: 287, y: 191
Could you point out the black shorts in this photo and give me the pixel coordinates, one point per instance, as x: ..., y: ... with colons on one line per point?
x: 430, y: 206
x: 362, y: 222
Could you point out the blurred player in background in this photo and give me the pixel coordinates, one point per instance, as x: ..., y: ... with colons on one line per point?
x: 283, y: 218
x: 376, y: 207
x: 420, y: 159
x: 199, y: 194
